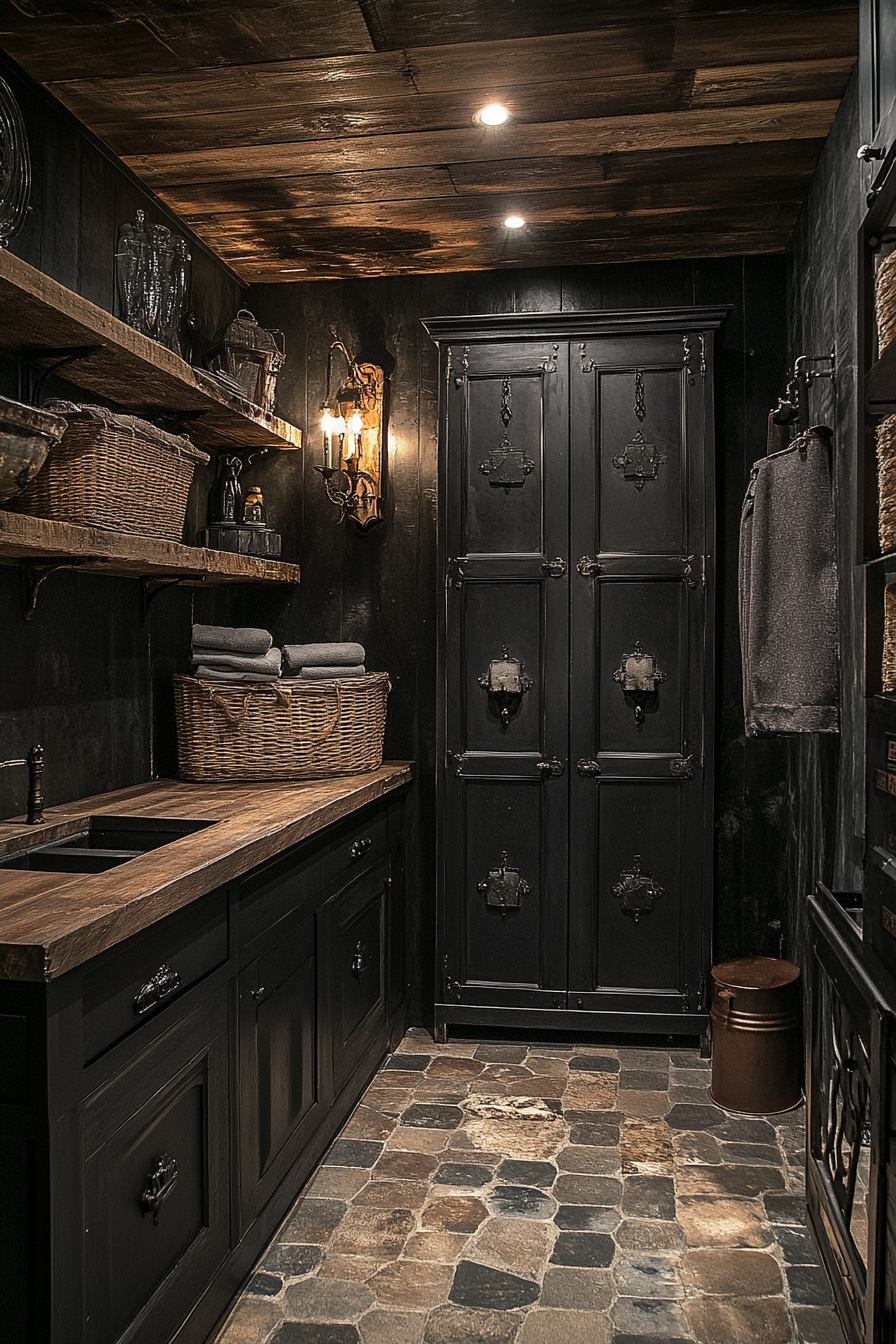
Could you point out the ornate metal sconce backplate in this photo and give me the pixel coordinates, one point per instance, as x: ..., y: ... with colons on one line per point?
x: 637, y: 891
x: 506, y: 685
x: 506, y: 465
x: 639, y: 677
x: 505, y: 888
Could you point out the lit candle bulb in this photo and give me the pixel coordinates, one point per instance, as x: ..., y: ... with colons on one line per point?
x: 354, y: 427
x: 326, y: 425
x: 339, y: 431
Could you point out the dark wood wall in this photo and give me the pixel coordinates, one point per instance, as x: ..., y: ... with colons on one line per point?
x: 87, y: 677
x: 825, y: 776
x: 382, y: 588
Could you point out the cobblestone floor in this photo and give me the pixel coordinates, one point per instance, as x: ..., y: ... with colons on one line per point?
x: 545, y: 1195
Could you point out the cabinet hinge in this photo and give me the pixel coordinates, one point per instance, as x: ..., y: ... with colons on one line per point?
x: 450, y: 987
x: 455, y: 573
x: 692, y: 997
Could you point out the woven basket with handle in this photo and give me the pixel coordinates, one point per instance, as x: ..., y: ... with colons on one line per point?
x: 885, y: 301
x: 886, y: 481
x: 291, y: 729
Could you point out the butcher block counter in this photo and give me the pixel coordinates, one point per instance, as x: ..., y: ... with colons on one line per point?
x: 51, y: 922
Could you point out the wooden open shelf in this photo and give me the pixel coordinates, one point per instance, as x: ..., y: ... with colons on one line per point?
x: 43, y: 542
x: 40, y: 320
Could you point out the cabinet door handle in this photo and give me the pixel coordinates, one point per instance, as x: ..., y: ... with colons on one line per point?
x: 157, y: 988
x: 360, y: 848
x: 160, y: 1183
x: 257, y: 993
x: 551, y: 769
x: 361, y: 960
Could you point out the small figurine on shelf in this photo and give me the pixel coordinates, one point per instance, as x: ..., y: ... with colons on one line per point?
x: 225, y: 499
x: 254, y: 512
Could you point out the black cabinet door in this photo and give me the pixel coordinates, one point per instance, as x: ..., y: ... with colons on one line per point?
x: 877, y: 83
x: 641, y: 805
x: 280, y: 1084
x: 356, y: 923
x: 156, y: 1196
x: 506, y: 674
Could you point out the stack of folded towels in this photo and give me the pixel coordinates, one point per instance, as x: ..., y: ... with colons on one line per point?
x: 315, y: 662
x: 225, y: 653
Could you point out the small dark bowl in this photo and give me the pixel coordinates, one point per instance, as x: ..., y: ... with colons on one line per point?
x: 26, y: 436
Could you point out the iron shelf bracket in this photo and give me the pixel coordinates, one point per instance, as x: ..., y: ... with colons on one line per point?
x: 150, y: 589
x: 35, y: 576
x: 61, y: 357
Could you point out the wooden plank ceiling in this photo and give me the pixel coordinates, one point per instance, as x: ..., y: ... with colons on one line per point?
x: 308, y: 139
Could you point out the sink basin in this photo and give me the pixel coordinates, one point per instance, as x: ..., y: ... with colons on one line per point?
x: 102, y: 842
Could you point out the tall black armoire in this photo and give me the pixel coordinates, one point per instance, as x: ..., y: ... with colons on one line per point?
x: 576, y: 654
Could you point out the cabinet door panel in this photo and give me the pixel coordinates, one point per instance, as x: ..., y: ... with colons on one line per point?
x: 356, y: 938
x: 652, y: 616
x: 504, y: 468
x: 501, y: 619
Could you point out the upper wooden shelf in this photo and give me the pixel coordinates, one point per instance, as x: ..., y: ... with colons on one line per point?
x: 94, y: 549
x: 40, y: 320
x: 880, y: 384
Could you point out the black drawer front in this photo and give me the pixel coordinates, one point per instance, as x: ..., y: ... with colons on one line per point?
x: 357, y: 845
x: 276, y: 892
x: 357, y: 919
x: 151, y: 970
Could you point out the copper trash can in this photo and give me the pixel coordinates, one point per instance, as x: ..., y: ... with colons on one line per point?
x: 756, y: 1038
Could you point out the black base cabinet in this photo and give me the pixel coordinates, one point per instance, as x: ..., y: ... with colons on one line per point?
x: 151, y: 1142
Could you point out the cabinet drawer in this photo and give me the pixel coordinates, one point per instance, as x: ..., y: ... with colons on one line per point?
x: 151, y: 970
x: 358, y: 844
x: 356, y: 936
x: 274, y: 893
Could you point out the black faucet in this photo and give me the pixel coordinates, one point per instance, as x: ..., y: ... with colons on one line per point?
x: 35, y: 763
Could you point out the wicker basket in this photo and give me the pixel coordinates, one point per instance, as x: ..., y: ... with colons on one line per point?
x: 114, y: 471
x: 885, y: 301
x: 886, y: 481
x: 888, y: 669
x: 291, y: 729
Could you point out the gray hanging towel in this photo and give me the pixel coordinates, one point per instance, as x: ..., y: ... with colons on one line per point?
x: 788, y: 592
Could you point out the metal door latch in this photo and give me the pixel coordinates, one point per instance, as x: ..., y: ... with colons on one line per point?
x: 506, y: 685
x: 361, y: 960
x: 639, y: 677
x: 160, y: 1183
x: 551, y: 769
x: 553, y: 569
x: 588, y: 566
x: 505, y: 887
x: 586, y: 768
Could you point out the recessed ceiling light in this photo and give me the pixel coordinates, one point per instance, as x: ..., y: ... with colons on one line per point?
x: 514, y: 222
x: 492, y: 115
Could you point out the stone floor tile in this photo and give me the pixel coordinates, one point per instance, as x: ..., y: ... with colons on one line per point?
x: 313, y: 1221
x: 645, y: 1275
x: 251, y: 1323
x: 584, y: 1249
x: 463, y: 1174
x: 644, y: 1080
x: 727, y: 1179
x: 588, y: 1161
x: 687, y: 1115
x: 403, y: 1061
x: 586, y: 1218
x: 418, y: 1140
x: 498, y: 1052
x: 651, y: 1317
x: 590, y: 1092
x: 401, y: 1077
x: 694, y: 1095
x: 411, y: 1283
x: 576, y: 1289
x: 392, y: 1195
x: 725, y: 1272
x: 519, y: 1245
x: 594, y: 1064
x: 490, y: 1289
x: 555, y: 1051
x: 538, y: 1139
x: 645, y: 1147
x: 695, y: 1147
x: 369, y: 1123
x: 520, y: 1201
x: 377, y: 1232
x: 634, y: 1057
x: 649, y: 1234
x: 454, y: 1067
x: 744, y: 1128
x: 808, y: 1285
x: 444, y: 1247
x: 403, y: 1166
x: 308, y: 1332
x: 740, y: 1320
x: 392, y: 1327
x: 337, y: 1182
x: 326, y: 1300
x: 632, y: 1102
x: 786, y: 1210
x: 648, y: 1197
x: 797, y: 1245
x: 461, y: 1325
x: 512, y: 1171
x: 723, y: 1222
x: 578, y: 1189
x: 548, y: 1325
x: 688, y: 1077
x: 597, y: 1135
x: 765, y: 1154
x: 454, y: 1213
x: 264, y: 1285
x: 654, y: 1339
x: 544, y: 1067
x: 814, y: 1325
x: 351, y: 1268
x: 423, y: 1115
x: 292, y: 1261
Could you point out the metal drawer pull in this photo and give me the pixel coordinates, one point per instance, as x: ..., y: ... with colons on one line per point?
x: 160, y: 1183
x: 361, y: 960
x: 360, y: 848
x: 158, y: 987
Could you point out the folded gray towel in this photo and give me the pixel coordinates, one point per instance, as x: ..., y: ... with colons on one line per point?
x: 231, y: 639
x: 297, y: 656
x: 324, y: 673
x: 221, y: 674
x: 268, y: 663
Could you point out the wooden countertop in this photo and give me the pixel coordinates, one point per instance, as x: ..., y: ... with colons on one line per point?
x: 52, y: 922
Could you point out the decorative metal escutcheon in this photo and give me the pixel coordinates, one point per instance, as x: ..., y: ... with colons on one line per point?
x: 682, y: 767
x: 639, y: 677
x: 507, y: 466
x: 588, y: 566
x: 554, y: 569
x: 160, y: 1183
x: 505, y: 888
x: 506, y: 684
x: 637, y: 891
x: 640, y: 461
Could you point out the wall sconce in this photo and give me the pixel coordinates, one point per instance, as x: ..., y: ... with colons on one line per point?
x: 353, y: 430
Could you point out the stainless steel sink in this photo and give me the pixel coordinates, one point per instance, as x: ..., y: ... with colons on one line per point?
x: 98, y: 844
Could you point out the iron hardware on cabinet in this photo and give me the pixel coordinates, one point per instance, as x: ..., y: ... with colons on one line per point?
x: 637, y: 891
x: 455, y: 575
x: 588, y: 768
x: 257, y: 993
x: 507, y: 466
x: 361, y: 959
x: 505, y: 887
x: 639, y: 677
x: 360, y: 848
x: 157, y: 988
x: 553, y: 569
x: 682, y: 767
x: 588, y: 566
x: 160, y: 1183
x: 506, y: 685
x: 551, y: 769
x: 869, y: 153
